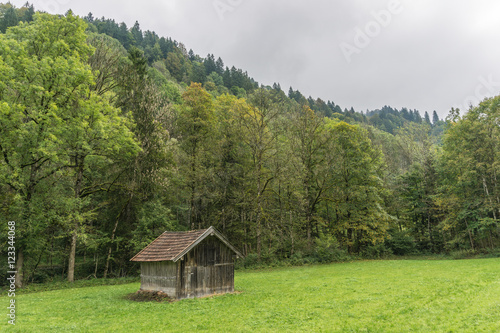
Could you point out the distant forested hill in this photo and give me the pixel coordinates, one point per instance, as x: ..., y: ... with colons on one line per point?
x: 170, y: 56
x: 177, y: 64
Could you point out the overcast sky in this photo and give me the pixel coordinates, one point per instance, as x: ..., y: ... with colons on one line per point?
x: 421, y: 54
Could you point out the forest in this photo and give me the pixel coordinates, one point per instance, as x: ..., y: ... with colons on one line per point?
x: 110, y: 135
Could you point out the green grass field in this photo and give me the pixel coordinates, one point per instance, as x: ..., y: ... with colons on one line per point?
x: 370, y: 296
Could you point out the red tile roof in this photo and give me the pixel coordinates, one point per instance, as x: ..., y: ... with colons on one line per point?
x: 168, y: 245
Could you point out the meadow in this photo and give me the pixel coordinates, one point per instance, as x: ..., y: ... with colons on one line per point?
x: 362, y: 296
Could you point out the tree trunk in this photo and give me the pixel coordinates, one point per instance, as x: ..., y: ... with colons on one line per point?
x: 470, y: 235
x: 113, y: 234
x: 307, y: 210
x: 193, y: 186
x: 259, y: 210
x: 26, y: 216
x: 19, y: 269
x: 291, y: 234
x: 350, y: 240
x: 191, y: 208
x: 429, y: 228
x: 309, y: 230
x: 72, y: 255
x: 96, y: 260
x: 259, y: 232
x: 72, y: 251
x: 108, y: 258
x: 489, y: 199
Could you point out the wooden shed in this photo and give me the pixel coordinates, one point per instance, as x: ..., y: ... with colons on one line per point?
x: 188, y: 264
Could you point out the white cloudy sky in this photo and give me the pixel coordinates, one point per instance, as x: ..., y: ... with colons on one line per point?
x: 428, y: 55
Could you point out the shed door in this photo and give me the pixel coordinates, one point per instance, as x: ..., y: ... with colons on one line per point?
x: 181, y: 280
x: 190, y: 277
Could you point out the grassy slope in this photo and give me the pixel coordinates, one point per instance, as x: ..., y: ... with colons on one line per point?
x: 374, y: 296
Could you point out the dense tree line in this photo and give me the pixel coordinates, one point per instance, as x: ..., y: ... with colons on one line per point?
x: 110, y: 136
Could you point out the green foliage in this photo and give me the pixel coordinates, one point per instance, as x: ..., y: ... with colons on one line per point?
x: 153, y: 219
x: 377, y: 251
x: 216, y: 79
x: 462, y: 254
x: 327, y: 250
x: 401, y: 243
x: 11, y: 16
x: 59, y: 131
x: 470, y: 165
x: 356, y: 179
x: 251, y: 260
x: 43, y: 78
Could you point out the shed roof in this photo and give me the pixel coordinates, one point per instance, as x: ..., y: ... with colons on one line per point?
x: 173, y: 245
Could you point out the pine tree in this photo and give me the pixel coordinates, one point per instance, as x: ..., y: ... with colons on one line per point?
x: 137, y: 34
x: 209, y: 63
x: 219, y: 66
x: 435, y: 117
x: 9, y: 19
x: 427, y: 118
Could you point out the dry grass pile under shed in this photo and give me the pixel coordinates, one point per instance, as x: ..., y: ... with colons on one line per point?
x: 150, y: 296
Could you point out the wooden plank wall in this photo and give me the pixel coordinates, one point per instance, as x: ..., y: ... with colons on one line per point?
x: 208, y: 269
x: 159, y: 276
